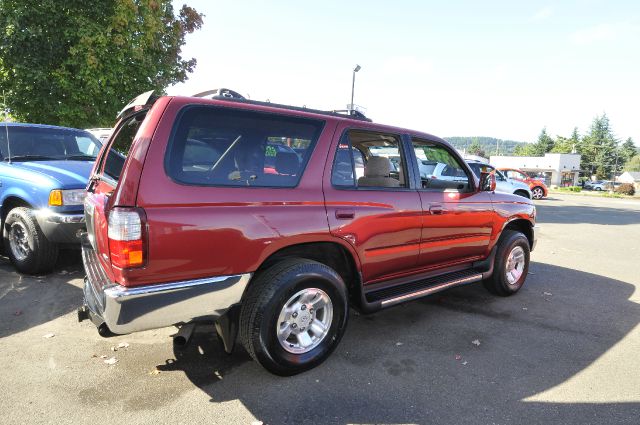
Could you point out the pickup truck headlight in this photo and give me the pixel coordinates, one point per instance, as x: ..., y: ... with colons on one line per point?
x: 58, y: 198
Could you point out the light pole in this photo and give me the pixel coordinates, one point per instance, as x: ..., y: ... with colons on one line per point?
x: 353, y: 85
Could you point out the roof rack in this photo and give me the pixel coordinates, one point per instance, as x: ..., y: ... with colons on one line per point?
x: 351, y: 112
x: 227, y: 94
x: 220, y: 93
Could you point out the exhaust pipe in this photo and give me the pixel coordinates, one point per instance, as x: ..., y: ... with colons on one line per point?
x: 183, y: 336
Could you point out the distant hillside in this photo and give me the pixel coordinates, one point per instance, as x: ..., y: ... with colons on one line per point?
x: 505, y: 147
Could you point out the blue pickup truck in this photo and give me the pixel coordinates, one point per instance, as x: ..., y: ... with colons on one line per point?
x: 44, y: 171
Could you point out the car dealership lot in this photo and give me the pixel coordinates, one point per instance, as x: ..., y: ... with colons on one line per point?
x: 564, y: 349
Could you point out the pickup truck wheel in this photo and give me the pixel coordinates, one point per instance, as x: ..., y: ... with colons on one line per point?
x: 27, y: 247
x: 511, y: 264
x: 293, y: 316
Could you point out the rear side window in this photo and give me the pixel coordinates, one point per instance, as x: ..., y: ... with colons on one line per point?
x: 225, y: 147
x: 120, y: 146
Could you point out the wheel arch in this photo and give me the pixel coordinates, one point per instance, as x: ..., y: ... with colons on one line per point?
x: 331, y: 253
x: 521, y: 225
x: 10, y: 202
x: 522, y: 193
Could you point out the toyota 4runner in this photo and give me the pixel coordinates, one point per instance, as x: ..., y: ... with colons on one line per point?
x: 271, y: 221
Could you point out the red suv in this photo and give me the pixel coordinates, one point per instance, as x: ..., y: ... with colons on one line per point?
x: 272, y: 220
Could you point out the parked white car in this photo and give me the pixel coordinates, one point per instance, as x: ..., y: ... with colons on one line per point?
x: 101, y: 134
x: 503, y: 184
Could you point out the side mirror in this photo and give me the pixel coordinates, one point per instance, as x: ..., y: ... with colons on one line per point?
x: 487, y: 182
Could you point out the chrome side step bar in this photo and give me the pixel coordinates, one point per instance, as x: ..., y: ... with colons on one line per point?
x: 431, y: 290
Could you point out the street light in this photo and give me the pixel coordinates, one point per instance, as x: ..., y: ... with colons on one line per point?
x: 353, y: 85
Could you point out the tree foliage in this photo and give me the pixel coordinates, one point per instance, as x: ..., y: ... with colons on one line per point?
x: 77, y: 63
x: 490, y: 145
x: 633, y: 164
x: 476, y: 149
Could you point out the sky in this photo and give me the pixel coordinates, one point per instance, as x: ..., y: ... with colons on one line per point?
x: 502, y: 69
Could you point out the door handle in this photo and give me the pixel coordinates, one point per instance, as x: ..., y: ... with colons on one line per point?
x: 436, y: 209
x: 345, y: 214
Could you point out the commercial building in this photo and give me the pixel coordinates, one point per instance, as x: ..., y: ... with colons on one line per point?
x: 557, y: 169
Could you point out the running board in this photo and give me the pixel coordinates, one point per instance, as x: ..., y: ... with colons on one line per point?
x: 401, y: 293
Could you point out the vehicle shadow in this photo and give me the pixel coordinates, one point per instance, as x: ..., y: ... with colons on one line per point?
x: 573, y: 214
x: 28, y: 301
x: 460, y: 357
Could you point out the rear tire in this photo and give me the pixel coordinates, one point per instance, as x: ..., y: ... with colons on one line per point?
x: 24, y: 243
x: 537, y: 192
x: 268, y: 308
x: 511, y: 264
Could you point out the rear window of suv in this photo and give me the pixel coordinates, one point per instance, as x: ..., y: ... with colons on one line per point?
x: 226, y: 147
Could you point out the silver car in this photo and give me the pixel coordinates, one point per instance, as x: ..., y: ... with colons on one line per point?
x: 503, y: 183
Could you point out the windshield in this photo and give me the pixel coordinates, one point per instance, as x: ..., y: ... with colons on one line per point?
x: 44, y: 144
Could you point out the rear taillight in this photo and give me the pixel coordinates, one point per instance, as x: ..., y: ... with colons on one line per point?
x: 126, y: 237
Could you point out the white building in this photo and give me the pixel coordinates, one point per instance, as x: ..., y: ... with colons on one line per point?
x: 558, y: 169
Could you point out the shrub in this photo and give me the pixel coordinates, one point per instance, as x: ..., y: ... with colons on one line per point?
x: 626, y: 189
x: 570, y: 189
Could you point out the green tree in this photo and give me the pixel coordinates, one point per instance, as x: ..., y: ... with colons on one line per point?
x: 570, y: 145
x: 599, y: 148
x: 633, y: 164
x: 524, y: 150
x: 78, y: 62
x: 628, y: 150
x: 563, y: 145
x: 475, y: 148
x: 544, y: 143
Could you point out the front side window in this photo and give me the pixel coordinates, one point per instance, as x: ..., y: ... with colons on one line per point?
x: 26, y: 143
x: 225, y: 147
x: 366, y: 159
x: 440, y: 170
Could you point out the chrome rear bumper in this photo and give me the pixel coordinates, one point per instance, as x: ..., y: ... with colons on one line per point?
x: 131, y: 309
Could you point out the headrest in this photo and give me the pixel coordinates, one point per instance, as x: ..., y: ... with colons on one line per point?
x: 377, y: 166
x: 287, y: 163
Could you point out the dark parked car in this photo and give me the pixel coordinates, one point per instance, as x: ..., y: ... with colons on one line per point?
x: 274, y: 245
x: 43, y: 175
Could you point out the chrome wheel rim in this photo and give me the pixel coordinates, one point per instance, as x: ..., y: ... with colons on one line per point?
x: 515, y: 265
x: 19, y: 241
x: 537, y: 193
x: 305, y: 320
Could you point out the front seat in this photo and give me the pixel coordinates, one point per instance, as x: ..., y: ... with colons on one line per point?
x: 376, y: 173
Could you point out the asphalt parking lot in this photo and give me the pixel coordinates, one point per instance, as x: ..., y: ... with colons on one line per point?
x: 563, y: 350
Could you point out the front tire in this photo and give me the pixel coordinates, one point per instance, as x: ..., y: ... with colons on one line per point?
x: 511, y: 264
x: 24, y: 243
x: 293, y: 316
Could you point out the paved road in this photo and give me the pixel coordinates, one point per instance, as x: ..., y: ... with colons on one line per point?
x: 564, y: 350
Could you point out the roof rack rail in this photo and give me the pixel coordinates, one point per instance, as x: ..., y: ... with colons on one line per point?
x: 227, y: 94
x: 220, y: 93
x: 350, y: 112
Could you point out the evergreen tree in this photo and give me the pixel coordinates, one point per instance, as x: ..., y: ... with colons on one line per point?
x: 599, y: 148
x: 476, y: 149
x: 633, y: 164
x: 628, y: 150
x: 544, y: 143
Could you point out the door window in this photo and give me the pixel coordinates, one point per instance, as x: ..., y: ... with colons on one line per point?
x: 440, y: 169
x: 366, y: 160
